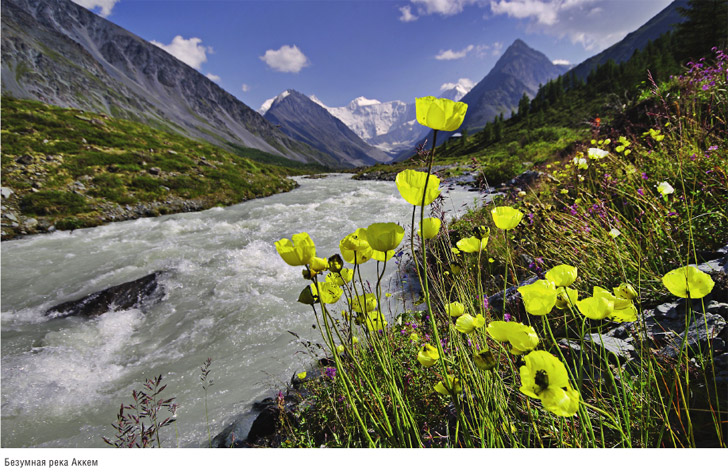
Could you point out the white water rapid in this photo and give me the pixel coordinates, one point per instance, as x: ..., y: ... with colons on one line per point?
x: 228, y: 296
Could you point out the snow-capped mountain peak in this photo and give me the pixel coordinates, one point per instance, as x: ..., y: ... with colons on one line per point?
x: 269, y: 102
x: 361, y: 101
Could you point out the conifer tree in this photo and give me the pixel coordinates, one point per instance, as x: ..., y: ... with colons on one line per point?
x: 706, y: 26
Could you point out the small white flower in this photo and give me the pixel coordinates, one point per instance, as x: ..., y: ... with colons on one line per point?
x: 665, y: 189
x: 596, y: 153
x: 581, y: 163
x: 614, y: 233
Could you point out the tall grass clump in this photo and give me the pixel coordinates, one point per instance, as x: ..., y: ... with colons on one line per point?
x: 615, y: 228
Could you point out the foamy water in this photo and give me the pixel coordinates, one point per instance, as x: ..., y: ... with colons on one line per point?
x: 228, y: 296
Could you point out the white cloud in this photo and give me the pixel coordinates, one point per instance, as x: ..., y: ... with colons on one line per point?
x: 407, y: 15
x: 545, y: 12
x: 452, y: 55
x: 595, y: 27
x: 213, y: 77
x: 245, y: 88
x: 286, y: 59
x: 104, y: 5
x: 189, y: 51
x: 442, y: 7
x: 561, y: 62
x: 497, y: 48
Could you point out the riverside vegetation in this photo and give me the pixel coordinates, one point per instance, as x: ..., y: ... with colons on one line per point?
x: 612, y: 228
x: 616, y: 226
x: 66, y: 169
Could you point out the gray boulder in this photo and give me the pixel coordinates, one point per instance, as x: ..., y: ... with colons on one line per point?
x: 123, y: 296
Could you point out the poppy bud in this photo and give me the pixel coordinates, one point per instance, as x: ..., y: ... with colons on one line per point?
x: 484, y: 360
x: 307, y: 297
x: 336, y: 263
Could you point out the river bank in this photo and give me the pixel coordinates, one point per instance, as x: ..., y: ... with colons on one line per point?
x: 227, y: 296
x: 17, y: 225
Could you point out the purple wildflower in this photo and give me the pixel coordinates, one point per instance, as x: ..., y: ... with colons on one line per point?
x: 641, y: 192
x: 330, y: 372
x: 506, y: 317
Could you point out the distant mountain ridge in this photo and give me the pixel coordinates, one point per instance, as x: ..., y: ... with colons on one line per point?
x: 623, y: 50
x: 62, y: 54
x: 520, y: 69
x: 390, y: 126
x: 307, y: 121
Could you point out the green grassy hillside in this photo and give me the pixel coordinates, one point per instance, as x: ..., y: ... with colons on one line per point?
x: 67, y: 168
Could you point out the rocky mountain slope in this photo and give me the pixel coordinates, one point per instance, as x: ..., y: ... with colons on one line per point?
x: 60, y: 53
x: 306, y: 121
x: 519, y: 70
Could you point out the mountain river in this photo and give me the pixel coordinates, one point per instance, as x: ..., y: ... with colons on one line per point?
x: 228, y: 296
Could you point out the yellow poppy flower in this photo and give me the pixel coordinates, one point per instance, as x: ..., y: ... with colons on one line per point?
x: 411, y: 185
x: 340, y: 278
x: 414, y: 337
x: 363, y: 304
x: 301, y: 375
x: 688, y: 281
x: 538, y: 298
x: 596, y: 307
x: 428, y: 356
x: 382, y: 256
x: 440, y: 113
x: 340, y: 349
x: 566, y: 297
x: 318, y: 264
x: 628, y: 314
x: 454, y: 309
x: 506, y: 218
x: 472, y: 244
x: 545, y: 378
x: 375, y: 321
x: 384, y: 236
x: 356, y: 241
x: 328, y: 293
x: 625, y: 291
x: 467, y: 323
x: 296, y: 253
x: 355, y: 248
x: 619, y: 303
x: 454, y: 384
x: 431, y: 227
x: 562, y: 275
x: 521, y: 337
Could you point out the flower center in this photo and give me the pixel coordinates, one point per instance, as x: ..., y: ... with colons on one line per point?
x: 542, y: 380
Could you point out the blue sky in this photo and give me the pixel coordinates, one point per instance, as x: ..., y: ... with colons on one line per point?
x: 381, y: 49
